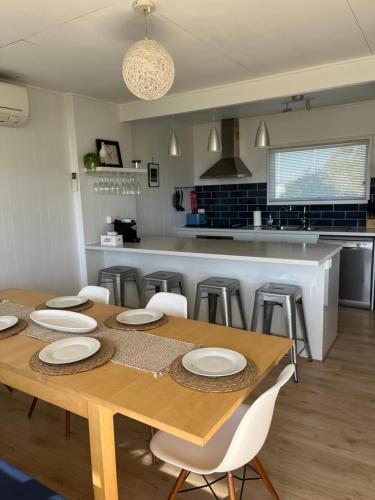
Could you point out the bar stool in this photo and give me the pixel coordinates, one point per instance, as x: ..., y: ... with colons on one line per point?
x: 117, y: 277
x: 289, y: 297
x: 161, y: 281
x: 223, y: 289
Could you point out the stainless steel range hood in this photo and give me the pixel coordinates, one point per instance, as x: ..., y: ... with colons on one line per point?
x: 230, y: 164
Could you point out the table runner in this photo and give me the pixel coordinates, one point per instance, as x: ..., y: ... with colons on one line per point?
x: 135, y: 349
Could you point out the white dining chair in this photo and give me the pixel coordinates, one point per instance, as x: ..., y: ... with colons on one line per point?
x: 172, y: 304
x: 235, y: 445
x: 95, y: 293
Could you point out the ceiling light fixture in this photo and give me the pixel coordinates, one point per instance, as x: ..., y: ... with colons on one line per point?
x: 214, y: 143
x: 295, y: 99
x: 262, y: 138
x: 147, y: 68
x: 174, y: 146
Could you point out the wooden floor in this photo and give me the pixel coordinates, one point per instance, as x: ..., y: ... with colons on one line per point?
x: 321, y: 445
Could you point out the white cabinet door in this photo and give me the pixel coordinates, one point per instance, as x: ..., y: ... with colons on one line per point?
x: 288, y: 238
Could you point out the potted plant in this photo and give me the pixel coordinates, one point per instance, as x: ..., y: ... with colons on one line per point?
x: 91, y: 161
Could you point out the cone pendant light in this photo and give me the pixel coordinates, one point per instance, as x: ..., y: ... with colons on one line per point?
x: 174, y: 147
x: 214, y: 143
x: 262, y: 138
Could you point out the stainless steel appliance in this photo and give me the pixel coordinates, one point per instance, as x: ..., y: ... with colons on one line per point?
x: 356, y: 287
x: 230, y: 164
x: 128, y: 229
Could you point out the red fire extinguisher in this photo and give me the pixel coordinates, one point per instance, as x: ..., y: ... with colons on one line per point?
x: 193, y: 202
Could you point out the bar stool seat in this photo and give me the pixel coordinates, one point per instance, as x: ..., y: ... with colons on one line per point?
x: 117, y: 277
x: 222, y: 289
x: 161, y: 281
x: 289, y: 298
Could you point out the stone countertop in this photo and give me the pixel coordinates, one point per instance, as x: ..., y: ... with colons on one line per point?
x: 256, y: 251
x: 334, y: 231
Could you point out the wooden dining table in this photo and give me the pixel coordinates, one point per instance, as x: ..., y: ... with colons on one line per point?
x: 111, y: 389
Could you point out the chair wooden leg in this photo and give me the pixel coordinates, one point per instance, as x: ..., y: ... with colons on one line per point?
x: 10, y: 389
x: 152, y: 433
x: 266, y: 480
x: 178, y: 484
x: 32, y: 407
x: 231, y: 487
x: 67, y: 424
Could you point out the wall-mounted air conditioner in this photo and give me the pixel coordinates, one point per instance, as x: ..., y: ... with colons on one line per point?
x: 14, y: 105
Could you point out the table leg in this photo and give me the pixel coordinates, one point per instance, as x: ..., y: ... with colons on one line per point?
x: 103, y: 453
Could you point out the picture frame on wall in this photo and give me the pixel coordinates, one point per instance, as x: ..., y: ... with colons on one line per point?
x: 113, y: 154
x: 153, y: 175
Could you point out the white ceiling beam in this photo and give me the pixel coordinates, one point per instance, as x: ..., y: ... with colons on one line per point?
x: 312, y: 79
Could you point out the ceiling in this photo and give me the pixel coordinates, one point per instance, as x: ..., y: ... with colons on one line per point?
x: 331, y: 97
x: 78, y: 45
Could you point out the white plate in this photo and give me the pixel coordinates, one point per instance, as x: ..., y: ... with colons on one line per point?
x: 64, y: 321
x: 64, y: 302
x: 7, y: 322
x: 214, y: 362
x: 138, y: 316
x: 69, y: 350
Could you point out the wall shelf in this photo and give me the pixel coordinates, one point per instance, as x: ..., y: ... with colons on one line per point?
x: 111, y: 170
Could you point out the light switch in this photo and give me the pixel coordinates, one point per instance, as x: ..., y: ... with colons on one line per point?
x: 75, y: 185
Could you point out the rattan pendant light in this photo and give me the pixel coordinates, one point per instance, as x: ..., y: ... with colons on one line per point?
x: 147, y: 68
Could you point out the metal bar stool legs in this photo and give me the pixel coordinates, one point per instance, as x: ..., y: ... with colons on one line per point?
x: 301, y: 315
x: 220, y: 290
x: 267, y: 316
x: 258, y: 304
x: 289, y: 312
x: 161, y: 281
x: 197, y: 305
x: 242, y: 310
x: 212, y: 307
x: 226, y: 307
x: 118, y: 277
x: 289, y: 298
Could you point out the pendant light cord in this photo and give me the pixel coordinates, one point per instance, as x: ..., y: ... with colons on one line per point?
x: 146, y: 26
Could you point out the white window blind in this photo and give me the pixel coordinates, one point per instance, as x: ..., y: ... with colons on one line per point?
x: 324, y: 172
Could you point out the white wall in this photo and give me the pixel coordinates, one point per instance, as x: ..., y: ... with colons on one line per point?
x: 37, y: 233
x: 99, y: 120
x: 155, y: 214
x: 321, y: 124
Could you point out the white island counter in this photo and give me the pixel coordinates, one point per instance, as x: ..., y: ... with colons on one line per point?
x: 314, y: 267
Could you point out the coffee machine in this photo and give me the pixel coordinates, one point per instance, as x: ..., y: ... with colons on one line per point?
x: 128, y: 229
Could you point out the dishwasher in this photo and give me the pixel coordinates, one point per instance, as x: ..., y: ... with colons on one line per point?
x: 356, y: 286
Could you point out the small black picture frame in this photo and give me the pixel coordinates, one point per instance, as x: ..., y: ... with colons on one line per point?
x: 113, y: 148
x: 153, y: 175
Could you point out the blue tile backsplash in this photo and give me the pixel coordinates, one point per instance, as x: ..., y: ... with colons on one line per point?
x: 230, y: 205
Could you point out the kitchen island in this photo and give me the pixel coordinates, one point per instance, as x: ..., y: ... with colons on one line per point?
x: 314, y: 267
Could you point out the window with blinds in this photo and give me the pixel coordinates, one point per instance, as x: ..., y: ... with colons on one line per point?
x: 319, y: 173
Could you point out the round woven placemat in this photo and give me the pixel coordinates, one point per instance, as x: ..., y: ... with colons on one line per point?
x: 81, y: 307
x: 112, y: 322
x: 13, y: 330
x: 105, y: 353
x: 213, y: 384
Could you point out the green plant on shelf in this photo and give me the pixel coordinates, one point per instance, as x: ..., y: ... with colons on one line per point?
x: 91, y: 161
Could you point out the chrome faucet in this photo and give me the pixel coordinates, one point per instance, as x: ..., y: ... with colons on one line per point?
x: 282, y: 209
x: 305, y: 222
